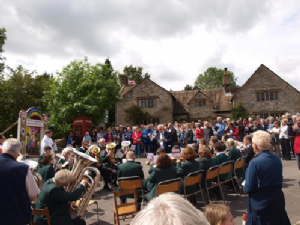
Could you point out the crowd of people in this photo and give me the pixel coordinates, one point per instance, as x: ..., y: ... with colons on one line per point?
x: 202, y: 145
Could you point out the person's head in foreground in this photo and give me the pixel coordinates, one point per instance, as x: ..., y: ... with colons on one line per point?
x: 261, y: 141
x: 218, y: 214
x: 169, y: 209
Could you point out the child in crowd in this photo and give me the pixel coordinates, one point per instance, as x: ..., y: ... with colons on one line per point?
x: 181, y: 138
x: 218, y: 214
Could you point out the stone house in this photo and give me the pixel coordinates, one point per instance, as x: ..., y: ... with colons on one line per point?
x: 267, y: 94
x: 264, y: 94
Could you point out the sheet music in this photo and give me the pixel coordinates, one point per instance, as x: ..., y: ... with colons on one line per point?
x: 120, y: 154
x: 176, y: 154
x: 149, y: 155
x: 132, y: 147
x: 154, y: 159
x: 102, y: 153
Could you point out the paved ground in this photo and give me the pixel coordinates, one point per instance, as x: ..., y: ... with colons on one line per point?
x: 238, y: 205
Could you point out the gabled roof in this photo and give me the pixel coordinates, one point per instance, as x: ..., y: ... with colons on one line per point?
x: 184, y: 97
x: 201, y: 93
x: 124, y: 92
x: 126, y: 89
x: 262, y: 66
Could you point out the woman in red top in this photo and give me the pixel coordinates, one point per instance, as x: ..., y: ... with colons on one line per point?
x: 137, y: 140
x: 234, y: 132
x: 199, y: 132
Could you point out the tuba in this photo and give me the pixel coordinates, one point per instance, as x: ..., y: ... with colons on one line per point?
x: 80, y: 170
x: 81, y: 161
x: 111, y: 150
x: 80, y: 205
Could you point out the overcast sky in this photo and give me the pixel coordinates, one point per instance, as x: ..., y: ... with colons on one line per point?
x: 172, y: 40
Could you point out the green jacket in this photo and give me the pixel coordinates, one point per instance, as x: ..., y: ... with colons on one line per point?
x: 218, y: 160
x: 235, y: 154
x: 130, y: 168
x: 56, y: 199
x: 205, y: 164
x: 183, y: 169
x: 81, y: 150
x: 158, y: 175
x: 46, y: 172
x: 39, y: 160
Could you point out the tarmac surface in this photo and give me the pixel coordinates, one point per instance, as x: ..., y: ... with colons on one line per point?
x: 238, y: 205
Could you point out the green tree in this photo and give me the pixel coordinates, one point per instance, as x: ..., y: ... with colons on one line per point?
x: 80, y: 89
x: 239, y: 112
x: 20, y: 90
x: 136, y: 74
x: 2, y: 42
x: 213, y: 78
x: 188, y: 87
x: 108, y: 63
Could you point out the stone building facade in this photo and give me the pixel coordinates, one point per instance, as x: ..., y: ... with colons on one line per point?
x: 264, y: 94
x: 150, y: 97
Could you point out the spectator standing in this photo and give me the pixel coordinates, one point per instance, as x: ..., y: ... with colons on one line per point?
x: 94, y: 136
x: 87, y: 137
x: 137, y: 140
x: 296, y: 128
x: 128, y: 135
x: 47, y: 141
x: 266, y: 203
x: 109, y: 136
x: 147, y: 133
x: 284, y: 140
x: 173, y: 134
x: 181, y: 138
x: 275, y: 138
x: 220, y: 128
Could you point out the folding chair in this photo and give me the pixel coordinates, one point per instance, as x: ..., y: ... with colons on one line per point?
x: 225, y: 168
x: 212, y: 174
x: 40, y: 212
x: 239, y: 164
x: 126, y: 209
x: 192, y: 179
x: 126, y: 183
x: 172, y: 185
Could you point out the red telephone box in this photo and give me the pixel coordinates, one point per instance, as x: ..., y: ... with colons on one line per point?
x: 82, y: 125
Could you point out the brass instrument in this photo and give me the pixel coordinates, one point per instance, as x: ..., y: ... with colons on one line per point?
x: 111, y: 150
x: 94, y: 150
x: 81, y: 161
x: 80, y: 205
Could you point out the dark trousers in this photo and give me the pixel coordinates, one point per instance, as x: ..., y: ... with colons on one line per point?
x: 78, y: 221
x: 105, y: 174
x: 292, y: 140
x: 286, y: 148
x: 148, y: 147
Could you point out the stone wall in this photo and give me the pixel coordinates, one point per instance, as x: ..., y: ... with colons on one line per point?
x: 147, y: 89
x: 200, y: 112
x: 265, y: 80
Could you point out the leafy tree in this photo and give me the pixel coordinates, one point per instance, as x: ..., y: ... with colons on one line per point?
x: 188, y: 87
x: 20, y: 90
x: 213, y: 78
x: 239, y: 112
x: 108, y: 63
x: 80, y: 89
x: 136, y: 74
x: 2, y: 42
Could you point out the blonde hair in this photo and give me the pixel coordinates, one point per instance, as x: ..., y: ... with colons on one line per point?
x: 262, y: 139
x: 169, y: 209
x: 216, y: 213
x: 64, y: 176
x: 232, y: 142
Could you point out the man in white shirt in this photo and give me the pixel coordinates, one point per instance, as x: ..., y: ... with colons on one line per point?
x: 47, y: 141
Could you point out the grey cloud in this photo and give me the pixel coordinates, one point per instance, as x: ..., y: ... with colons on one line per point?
x: 88, y: 26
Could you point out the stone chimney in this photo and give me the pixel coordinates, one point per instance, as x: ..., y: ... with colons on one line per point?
x: 226, y: 82
x: 123, y: 78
